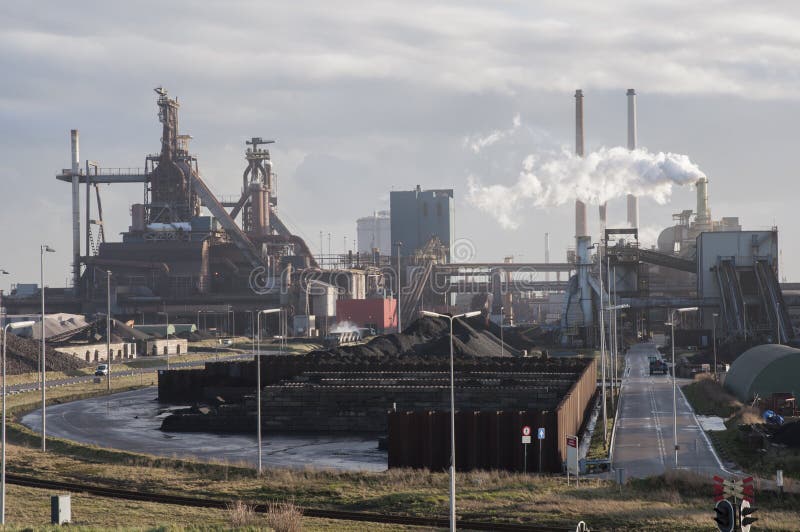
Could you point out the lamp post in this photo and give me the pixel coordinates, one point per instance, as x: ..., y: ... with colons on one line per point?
x: 714, y: 336
x: 399, y: 322
x: 603, y: 347
x: 452, y: 412
x: 2, y: 310
x: 674, y: 385
x: 614, y: 309
x: 16, y: 325
x: 258, y: 379
x: 44, y: 248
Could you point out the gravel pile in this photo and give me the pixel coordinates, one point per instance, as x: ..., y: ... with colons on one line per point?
x: 430, y: 337
x: 22, y: 355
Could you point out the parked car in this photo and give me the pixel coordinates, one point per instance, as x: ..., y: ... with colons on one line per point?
x: 101, y: 371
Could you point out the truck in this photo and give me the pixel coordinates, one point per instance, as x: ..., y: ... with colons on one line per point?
x: 657, y: 366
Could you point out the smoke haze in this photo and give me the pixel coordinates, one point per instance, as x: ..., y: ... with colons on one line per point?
x: 553, y: 178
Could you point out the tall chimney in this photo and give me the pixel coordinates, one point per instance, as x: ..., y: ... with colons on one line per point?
x: 76, y: 210
x: 580, y: 207
x: 633, y: 201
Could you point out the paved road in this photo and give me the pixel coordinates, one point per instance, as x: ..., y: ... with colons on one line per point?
x: 131, y: 421
x: 643, y: 444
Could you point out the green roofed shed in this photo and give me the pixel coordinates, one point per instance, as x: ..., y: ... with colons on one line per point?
x: 764, y: 370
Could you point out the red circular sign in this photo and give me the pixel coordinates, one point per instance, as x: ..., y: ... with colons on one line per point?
x: 526, y: 430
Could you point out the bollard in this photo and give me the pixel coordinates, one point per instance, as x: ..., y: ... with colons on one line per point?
x: 620, y: 477
x: 60, y: 509
x: 779, y: 480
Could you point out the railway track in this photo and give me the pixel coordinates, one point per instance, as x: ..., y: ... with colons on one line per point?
x: 342, y: 515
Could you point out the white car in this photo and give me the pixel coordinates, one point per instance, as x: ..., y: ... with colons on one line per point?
x: 101, y: 371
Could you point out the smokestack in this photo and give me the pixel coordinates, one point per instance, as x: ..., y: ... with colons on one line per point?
x: 703, y: 212
x: 633, y: 201
x: 580, y: 207
x: 76, y: 210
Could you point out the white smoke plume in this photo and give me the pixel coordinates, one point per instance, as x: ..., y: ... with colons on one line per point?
x: 555, y: 178
x: 477, y: 143
x: 344, y: 327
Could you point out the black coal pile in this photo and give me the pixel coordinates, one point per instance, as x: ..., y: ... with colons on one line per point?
x: 788, y: 434
x: 430, y: 337
x: 22, y: 355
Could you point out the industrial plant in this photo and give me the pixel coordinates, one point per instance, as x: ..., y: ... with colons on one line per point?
x: 375, y: 322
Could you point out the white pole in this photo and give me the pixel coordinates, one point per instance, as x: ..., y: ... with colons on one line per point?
x: 44, y: 360
x: 3, y: 474
x: 258, y: 390
x: 674, y: 392
x: 603, y: 350
x: 452, y: 436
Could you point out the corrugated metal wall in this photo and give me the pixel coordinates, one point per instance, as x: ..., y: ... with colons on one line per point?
x: 571, y: 411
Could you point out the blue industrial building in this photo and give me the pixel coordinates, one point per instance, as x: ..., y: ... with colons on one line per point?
x: 417, y: 215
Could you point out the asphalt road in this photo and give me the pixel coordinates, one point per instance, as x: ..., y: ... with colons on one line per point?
x: 643, y: 444
x: 131, y: 420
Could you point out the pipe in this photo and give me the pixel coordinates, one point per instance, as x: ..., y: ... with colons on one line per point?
x: 633, y: 201
x: 76, y: 211
x: 580, y: 207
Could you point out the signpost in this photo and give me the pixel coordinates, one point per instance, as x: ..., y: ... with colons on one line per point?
x: 540, y: 437
x: 726, y: 511
x: 572, y: 457
x: 526, y: 440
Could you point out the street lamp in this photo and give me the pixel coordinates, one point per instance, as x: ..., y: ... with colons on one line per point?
x: 258, y: 379
x: 614, y: 371
x: 452, y: 412
x: 17, y: 325
x: 109, y: 355
x: 44, y: 248
x: 674, y: 385
x: 2, y: 310
x: 714, y: 336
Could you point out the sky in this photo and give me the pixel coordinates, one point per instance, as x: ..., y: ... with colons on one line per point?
x: 368, y: 97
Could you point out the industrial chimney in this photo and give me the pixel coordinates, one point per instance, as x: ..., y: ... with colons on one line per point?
x: 580, y: 207
x: 633, y: 201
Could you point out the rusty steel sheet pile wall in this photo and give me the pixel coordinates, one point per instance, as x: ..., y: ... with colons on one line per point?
x: 571, y: 411
x: 491, y: 439
x: 484, y: 440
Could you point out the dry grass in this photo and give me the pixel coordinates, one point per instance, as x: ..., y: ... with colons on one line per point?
x: 284, y: 517
x: 241, y: 514
x: 709, y: 398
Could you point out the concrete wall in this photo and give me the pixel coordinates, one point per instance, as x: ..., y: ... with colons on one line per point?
x: 173, y: 346
x: 97, y: 352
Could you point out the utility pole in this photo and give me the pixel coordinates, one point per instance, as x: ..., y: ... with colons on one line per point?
x: 108, y: 329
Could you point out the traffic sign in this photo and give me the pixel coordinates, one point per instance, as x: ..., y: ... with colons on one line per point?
x: 540, y: 433
x: 526, y: 439
x: 526, y: 430
x: 572, y: 455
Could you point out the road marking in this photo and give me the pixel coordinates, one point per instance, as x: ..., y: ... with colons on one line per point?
x: 660, y: 437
